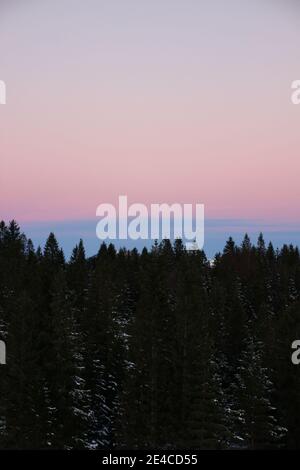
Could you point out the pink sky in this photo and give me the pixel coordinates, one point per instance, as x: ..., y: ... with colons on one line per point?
x: 163, y: 101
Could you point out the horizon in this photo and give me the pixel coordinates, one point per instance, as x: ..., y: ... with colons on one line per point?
x: 68, y: 235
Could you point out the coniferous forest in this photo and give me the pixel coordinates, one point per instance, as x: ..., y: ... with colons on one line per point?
x: 159, y: 349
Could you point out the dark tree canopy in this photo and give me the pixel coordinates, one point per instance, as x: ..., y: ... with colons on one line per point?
x: 158, y: 349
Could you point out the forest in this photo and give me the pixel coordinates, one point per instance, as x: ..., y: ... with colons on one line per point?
x: 159, y: 349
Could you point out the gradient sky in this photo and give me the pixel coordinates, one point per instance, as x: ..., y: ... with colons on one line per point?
x: 162, y: 100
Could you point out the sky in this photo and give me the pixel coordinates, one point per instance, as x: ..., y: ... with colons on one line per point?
x: 163, y: 101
